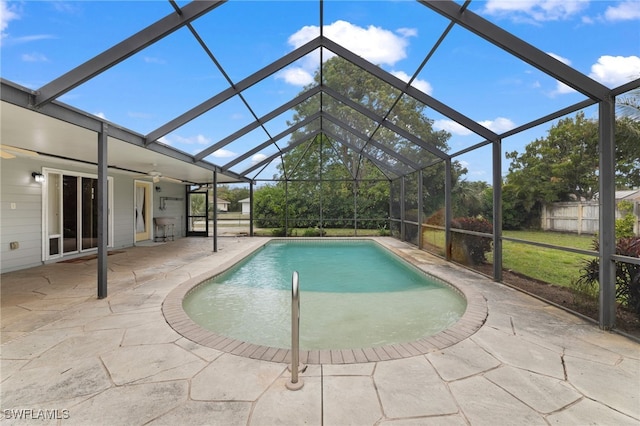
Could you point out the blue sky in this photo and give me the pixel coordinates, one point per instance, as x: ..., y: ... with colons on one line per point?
x: 41, y: 40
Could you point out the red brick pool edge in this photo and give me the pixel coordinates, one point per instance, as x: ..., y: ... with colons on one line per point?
x: 470, y: 322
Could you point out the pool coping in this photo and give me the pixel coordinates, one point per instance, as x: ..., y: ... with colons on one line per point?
x: 473, y: 318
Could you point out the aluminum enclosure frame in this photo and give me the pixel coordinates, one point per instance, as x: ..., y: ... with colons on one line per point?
x: 45, y: 101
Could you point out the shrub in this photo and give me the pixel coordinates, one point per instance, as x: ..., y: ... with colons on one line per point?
x: 383, y: 231
x: 470, y: 249
x: 280, y: 232
x: 436, y: 218
x: 624, y: 225
x: 627, y: 274
x: 313, y: 232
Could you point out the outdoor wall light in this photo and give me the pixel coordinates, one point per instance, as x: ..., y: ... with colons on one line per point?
x: 38, y: 177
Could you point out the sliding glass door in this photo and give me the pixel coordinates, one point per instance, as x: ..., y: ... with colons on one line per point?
x: 71, y: 210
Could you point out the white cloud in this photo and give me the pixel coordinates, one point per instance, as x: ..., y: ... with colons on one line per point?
x: 407, y: 32
x: 625, y: 11
x: 11, y: 12
x: 257, y: 158
x: 101, y: 115
x: 153, y: 60
x: 560, y: 58
x: 296, y: 76
x: 7, y: 14
x: 451, y: 127
x: 191, y: 140
x: 34, y: 57
x: 561, y: 89
x: 499, y: 125
x: 421, y: 85
x: 304, y: 35
x: 223, y: 153
x: 535, y: 10
x: 375, y: 44
x: 612, y: 71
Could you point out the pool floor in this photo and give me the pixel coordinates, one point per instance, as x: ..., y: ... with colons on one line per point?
x: 472, y: 319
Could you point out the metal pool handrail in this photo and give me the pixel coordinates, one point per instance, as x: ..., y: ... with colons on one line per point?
x: 295, y: 383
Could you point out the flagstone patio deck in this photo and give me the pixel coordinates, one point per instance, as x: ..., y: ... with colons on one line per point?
x: 85, y: 361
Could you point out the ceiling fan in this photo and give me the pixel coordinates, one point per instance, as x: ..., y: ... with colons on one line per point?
x: 156, y: 176
x: 8, y: 151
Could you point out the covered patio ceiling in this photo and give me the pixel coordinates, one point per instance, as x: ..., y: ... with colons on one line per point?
x: 37, y: 121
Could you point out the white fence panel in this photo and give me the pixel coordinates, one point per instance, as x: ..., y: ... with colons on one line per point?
x: 577, y: 217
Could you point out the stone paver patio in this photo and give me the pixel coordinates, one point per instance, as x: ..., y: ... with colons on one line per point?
x: 68, y: 358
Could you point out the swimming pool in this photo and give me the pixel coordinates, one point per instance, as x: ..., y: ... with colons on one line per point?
x: 354, y: 294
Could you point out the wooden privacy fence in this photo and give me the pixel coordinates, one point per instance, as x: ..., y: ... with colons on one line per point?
x: 580, y: 217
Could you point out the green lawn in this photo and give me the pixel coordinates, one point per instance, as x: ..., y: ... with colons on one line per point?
x: 549, y: 265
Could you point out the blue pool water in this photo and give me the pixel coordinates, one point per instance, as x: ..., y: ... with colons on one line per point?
x: 353, y: 294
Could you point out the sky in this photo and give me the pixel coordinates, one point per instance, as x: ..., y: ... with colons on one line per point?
x: 41, y: 40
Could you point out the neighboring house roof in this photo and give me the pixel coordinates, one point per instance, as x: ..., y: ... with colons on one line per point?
x: 245, y: 200
x: 221, y: 201
x: 631, y: 194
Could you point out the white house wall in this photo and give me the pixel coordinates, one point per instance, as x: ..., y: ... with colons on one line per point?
x: 21, y: 209
x: 21, y: 214
x: 173, y: 207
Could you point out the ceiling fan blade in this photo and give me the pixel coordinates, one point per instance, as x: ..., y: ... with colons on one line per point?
x: 6, y: 155
x: 12, y: 150
x: 169, y: 179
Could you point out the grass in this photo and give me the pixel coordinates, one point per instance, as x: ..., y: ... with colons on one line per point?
x: 549, y: 265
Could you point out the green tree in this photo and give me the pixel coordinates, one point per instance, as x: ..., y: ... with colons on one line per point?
x: 469, y: 199
x: 269, y: 204
x: 564, y: 165
x: 559, y: 167
x: 627, y: 152
x: 341, y: 170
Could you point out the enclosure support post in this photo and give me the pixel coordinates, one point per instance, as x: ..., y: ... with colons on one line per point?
x: 286, y: 208
x: 497, y: 210
x: 447, y: 208
x: 390, y: 206
x: 420, y: 213
x: 251, y: 209
x: 103, y: 211
x: 607, y: 195
x: 215, y: 212
x: 355, y: 207
x: 402, y: 217
x: 320, y: 188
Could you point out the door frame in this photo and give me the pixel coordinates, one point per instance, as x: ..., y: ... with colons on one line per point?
x: 148, y: 217
x: 192, y: 217
x: 47, y: 211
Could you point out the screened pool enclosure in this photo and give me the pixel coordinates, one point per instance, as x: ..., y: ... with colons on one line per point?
x: 355, y: 147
